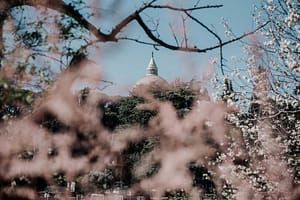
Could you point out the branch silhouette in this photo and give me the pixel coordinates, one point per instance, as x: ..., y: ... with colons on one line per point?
x: 113, y: 36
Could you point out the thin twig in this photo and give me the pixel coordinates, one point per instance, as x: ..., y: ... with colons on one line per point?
x: 184, y: 32
x: 214, y: 34
x: 139, y: 41
x: 184, y: 9
x: 190, y: 49
x: 174, y: 35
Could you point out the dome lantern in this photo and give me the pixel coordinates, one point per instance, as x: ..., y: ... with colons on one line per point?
x: 151, y: 81
x: 152, y: 68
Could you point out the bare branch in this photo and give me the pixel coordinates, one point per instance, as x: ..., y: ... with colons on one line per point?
x: 153, y: 37
x: 63, y: 8
x: 44, y: 55
x: 189, y: 49
x: 174, y: 35
x: 214, y: 34
x: 68, y: 9
x: 204, y: 26
x: 128, y: 19
x: 185, y: 9
x: 139, y: 41
x: 184, y: 31
x: 244, y: 35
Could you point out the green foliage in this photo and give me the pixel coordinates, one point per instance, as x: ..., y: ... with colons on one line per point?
x: 32, y: 35
x: 59, y: 179
x: 177, y: 195
x: 134, y: 153
x: 182, y: 98
x: 28, y: 154
x: 124, y: 112
x: 202, y: 178
x: 13, y: 99
x: 103, y: 179
x: 51, y: 123
x: 152, y: 169
x: 37, y: 182
x: 33, y: 38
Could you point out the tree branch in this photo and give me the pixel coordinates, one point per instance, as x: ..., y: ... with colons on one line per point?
x: 189, y: 49
x: 159, y: 41
x: 214, y: 34
x: 68, y: 9
x: 139, y: 41
x: 243, y: 36
x: 184, y: 32
x: 129, y: 19
x: 184, y: 9
x: 174, y: 35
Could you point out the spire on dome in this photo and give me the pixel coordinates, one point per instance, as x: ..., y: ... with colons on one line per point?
x: 152, y: 68
x: 150, y: 82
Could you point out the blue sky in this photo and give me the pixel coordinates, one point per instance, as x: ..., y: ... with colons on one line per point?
x: 125, y: 62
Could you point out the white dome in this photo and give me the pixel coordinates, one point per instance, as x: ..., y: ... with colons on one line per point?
x: 151, y: 80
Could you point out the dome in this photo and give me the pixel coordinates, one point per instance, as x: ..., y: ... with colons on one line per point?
x: 151, y: 81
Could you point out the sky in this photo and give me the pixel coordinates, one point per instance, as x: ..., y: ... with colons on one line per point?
x: 125, y: 62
